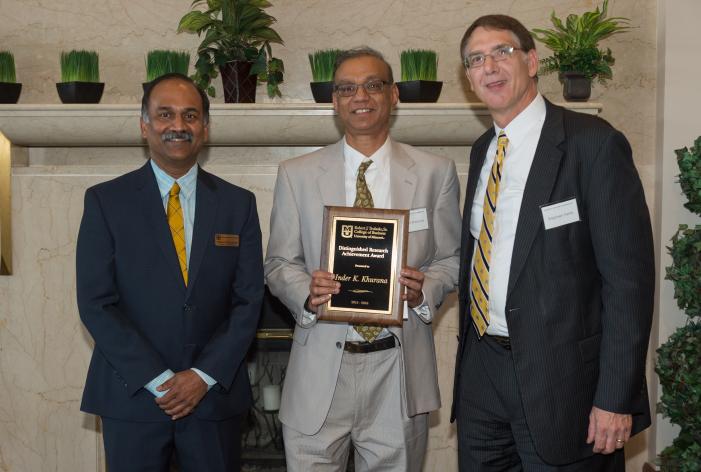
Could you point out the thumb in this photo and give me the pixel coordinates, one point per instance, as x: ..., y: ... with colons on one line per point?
x: 166, y: 385
x: 591, y: 433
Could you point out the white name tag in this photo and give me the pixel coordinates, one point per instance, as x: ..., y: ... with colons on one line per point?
x: 406, y: 310
x: 418, y: 220
x: 559, y: 214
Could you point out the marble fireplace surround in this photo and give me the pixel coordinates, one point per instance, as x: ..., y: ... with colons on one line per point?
x: 60, y: 150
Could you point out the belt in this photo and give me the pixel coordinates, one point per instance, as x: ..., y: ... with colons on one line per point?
x: 363, y: 347
x: 503, y: 341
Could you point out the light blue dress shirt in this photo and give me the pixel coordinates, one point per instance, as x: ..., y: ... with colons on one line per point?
x: 188, y: 197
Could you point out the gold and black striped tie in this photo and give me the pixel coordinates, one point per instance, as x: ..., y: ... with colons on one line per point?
x: 363, y: 199
x: 479, y: 284
x: 177, y: 227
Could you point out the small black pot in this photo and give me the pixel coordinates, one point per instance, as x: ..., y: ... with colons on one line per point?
x: 80, y: 92
x: 322, y: 91
x: 426, y: 91
x: 575, y: 86
x: 9, y: 92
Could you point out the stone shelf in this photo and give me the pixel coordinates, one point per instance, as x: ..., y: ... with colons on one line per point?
x: 287, y: 124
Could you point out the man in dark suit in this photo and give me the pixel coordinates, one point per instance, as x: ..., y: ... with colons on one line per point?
x: 556, y: 279
x: 170, y: 282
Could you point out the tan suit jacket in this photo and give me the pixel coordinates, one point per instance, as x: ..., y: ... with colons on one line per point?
x: 304, y: 186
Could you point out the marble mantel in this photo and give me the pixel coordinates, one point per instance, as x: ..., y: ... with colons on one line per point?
x: 288, y: 124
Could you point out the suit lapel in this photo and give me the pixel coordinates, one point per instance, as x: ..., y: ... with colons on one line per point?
x: 154, y: 213
x: 539, y: 186
x: 331, y: 180
x: 202, y: 232
x: 402, y: 179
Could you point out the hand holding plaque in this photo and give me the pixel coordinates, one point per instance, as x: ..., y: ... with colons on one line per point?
x: 365, y: 249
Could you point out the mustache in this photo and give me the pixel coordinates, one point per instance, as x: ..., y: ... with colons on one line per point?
x: 173, y: 135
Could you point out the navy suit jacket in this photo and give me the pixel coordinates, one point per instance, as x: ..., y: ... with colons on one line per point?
x: 580, y: 296
x: 142, y: 317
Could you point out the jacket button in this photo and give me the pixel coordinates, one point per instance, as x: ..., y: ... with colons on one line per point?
x: 339, y: 345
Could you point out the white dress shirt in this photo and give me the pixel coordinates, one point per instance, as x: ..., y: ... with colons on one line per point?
x: 523, y: 133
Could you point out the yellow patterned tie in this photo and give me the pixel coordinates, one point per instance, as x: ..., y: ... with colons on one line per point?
x: 363, y: 199
x: 177, y: 227
x: 479, y: 284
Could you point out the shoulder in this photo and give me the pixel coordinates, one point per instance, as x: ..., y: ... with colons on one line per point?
x: 581, y: 126
x: 125, y: 182
x: 424, y: 159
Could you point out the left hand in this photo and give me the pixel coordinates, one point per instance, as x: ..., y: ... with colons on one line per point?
x: 185, y: 390
x: 413, y: 280
x: 606, y: 427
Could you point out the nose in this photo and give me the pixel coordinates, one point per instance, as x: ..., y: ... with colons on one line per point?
x: 178, y: 123
x: 361, y: 93
x: 490, y: 65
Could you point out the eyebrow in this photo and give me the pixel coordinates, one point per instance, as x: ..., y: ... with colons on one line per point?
x: 475, y: 53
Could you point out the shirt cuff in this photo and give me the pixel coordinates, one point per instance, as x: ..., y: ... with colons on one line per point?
x: 308, y: 318
x: 423, y: 311
x: 207, y: 379
x: 152, y: 385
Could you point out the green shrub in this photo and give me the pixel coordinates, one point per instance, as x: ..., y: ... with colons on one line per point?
x: 419, y: 64
x: 80, y: 66
x: 161, y: 62
x: 689, y: 161
x: 322, y: 63
x: 7, y: 67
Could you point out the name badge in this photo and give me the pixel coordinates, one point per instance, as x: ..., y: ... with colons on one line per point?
x: 560, y: 214
x: 223, y: 239
x: 418, y: 220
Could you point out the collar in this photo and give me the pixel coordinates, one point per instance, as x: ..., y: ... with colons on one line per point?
x: 353, y: 158
x: 187, y: 182
x: 522, y: 125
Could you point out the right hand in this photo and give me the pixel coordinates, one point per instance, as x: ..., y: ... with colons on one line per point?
x: 321, y: 288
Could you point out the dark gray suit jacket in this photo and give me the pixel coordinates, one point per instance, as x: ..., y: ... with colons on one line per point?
x: 580, y: 296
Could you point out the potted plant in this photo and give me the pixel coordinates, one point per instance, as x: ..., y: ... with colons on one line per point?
x: 576, y: 54
x: 80, y: 77
x: 322, y: 64
x: 419, y: 74
x: 679, y: 358
x: 9, y: 88
x: 236, y: 39
x: 160, y: 62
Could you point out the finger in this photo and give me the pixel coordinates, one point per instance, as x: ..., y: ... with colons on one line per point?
x: 167, y: 385
x: 591, y: 432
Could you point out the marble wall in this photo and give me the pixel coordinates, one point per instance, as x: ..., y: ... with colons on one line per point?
x: 43, y: 348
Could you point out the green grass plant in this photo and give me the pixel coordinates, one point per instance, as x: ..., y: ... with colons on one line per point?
x: 419, y: 64
x: 7, y: 67
x: 160, y: 62
x: 322, y: 63
x: 80, y: 66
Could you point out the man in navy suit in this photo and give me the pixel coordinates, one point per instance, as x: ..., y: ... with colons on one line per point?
x: 170, y: 282
x: 556, y: 276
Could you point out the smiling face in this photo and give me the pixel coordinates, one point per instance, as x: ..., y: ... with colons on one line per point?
x: 365, y: 115
x: 507, y: 87
x: 176, y: 128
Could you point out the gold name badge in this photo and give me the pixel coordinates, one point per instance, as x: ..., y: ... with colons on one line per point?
x: 222, y: 239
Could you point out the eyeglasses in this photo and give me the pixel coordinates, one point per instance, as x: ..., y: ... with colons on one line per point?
x: 372, y: 87
x: 499, y: 53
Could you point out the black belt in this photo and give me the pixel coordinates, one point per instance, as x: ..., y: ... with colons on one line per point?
x: 503, y: 341
x: 363, y: 347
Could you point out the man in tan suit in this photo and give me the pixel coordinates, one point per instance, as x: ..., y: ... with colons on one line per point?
x: 342, y: 387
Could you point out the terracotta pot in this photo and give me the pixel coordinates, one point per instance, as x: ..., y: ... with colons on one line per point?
x: 239, y: 84
x: 575, y: 86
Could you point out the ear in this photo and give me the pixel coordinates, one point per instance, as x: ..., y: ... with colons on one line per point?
x: 532, y: 61
x: 469, y: 79
x: 142, y: 125
x: 334, y: 100
x: 394, y: 94
x: 206, y: 133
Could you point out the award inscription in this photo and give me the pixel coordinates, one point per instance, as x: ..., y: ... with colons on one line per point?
x: 365, y: 250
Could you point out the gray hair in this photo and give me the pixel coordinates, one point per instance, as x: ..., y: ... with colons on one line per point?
x: 362, y: 51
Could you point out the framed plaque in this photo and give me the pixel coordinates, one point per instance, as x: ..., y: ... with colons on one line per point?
x: 365, y: 249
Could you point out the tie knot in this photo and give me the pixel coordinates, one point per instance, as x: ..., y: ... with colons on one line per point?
x: 175, y: 190
x: 502, y: 140
x: 364, y: 166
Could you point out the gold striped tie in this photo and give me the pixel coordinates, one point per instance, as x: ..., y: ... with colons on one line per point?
x: 363, y: 199
x: 177, y: 227
x: 479, y: 283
